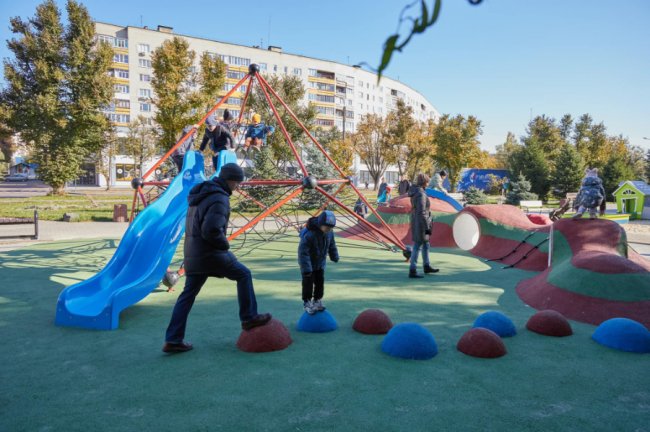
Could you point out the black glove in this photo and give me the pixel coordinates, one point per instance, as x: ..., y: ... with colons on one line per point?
x: 427, y: 232
x: 335, y: 260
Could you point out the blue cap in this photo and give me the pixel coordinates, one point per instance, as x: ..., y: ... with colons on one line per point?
x: 327, y: 218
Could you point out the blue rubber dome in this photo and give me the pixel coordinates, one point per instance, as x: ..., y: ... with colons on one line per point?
x: 497, y: 322
x: 410, y: 341
x: 320, y: 322
x: 623, y: 334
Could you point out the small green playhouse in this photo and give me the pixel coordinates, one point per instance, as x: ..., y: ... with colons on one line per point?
x: 633, y: 197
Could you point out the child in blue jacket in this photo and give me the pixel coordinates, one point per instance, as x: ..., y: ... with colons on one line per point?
x: 256, y: 133
x: 316, y: 243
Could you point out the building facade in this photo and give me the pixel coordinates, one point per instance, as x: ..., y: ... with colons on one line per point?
x: 342, y: 94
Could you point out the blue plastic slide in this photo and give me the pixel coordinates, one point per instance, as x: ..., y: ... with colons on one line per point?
x: 140, y: 261
x: 444, y: 197
x: 224, y: 157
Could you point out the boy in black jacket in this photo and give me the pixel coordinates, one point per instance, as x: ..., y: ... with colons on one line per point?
x: 206, y: 254
x: 316, y: 243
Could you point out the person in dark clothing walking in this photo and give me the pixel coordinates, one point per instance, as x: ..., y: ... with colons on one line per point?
x: 316, y: 243
x: 404, y: 186
x: 218, y: 137
x: 179, y: 153
x: 420, y: 225
x: 206, y: 254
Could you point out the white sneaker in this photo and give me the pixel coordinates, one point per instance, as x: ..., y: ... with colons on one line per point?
x: 318, y: 305
x: 309, y: 307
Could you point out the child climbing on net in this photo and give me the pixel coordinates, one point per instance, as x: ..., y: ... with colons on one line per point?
x: 256, y: 133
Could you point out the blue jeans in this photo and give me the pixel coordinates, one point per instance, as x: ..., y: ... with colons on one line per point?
x: 416, y: 251
x: 193, y: 283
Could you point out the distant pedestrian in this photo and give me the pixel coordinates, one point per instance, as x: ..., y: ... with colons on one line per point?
x: 404, y: 186
x: 361, y: 208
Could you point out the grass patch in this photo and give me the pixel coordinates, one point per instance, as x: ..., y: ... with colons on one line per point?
x: 90, y: 207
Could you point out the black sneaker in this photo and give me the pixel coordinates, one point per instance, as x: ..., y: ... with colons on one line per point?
x: 414, y: 274
x: 258, y: 320
x: 182, y: 347
x: 429, y: 269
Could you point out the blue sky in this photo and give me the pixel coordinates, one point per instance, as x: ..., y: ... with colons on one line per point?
x: 499, y: 61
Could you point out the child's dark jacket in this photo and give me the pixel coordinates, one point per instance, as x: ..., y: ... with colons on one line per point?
x: 315, y: 246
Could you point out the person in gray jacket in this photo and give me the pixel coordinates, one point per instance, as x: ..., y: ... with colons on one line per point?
x: 420, y: 226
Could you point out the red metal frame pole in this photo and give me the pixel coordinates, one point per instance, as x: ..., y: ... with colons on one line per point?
x: 324, y: 206
x: 262, y: 205
x: 187, y: 135
x: 286, y: 107
x: 284, y: 130
x: 135, y: 200
x: 265, y: 213
x: 362, y: 220
x: 243, y: 104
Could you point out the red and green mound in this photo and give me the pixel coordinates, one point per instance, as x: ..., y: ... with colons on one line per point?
x: 593, y: 276
x: 506, y: 232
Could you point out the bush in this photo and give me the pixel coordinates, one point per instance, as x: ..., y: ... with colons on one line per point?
x: 520, y: 191
x: 475, y: 196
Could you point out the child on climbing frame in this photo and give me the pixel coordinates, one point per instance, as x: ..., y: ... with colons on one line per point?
x: 256, y: 133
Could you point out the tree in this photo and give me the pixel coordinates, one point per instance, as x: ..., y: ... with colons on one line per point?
x: 566, y: 125
x: 400, y: 122
x: 475, y: 196
x: 141, y: 141
x: 180, y: 93
x: 544, y: 133
x: 372, y: 145
x: 647, y: 166
x: 292, y: 91
x: 520, y: 191
x: 616, y: 170
x: 568, y: 172
x: 337, y: 148
x: 56, y: 86
x: 530, y: 161
x: 104, y: 156
x: 419, y: 148
x: 504, y: 151
x: 457, y: 144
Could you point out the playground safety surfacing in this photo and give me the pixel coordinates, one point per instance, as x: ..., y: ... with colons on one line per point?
x: 68, y: 379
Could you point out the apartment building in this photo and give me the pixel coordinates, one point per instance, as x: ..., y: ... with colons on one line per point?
x: 342, y: 94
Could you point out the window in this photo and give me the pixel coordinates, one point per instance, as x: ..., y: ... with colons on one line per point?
x: 146, y: 107
x: 106, y: 38
x: 234, y: 101
x: 235, y: 74
x: 122, y: 103
x: 121, y: 88
x: 360, y: 95
x: 321, y: 98
x: 360, y: 83
x: 145, y: 63
x: 324, y: 122
x: 237, y: 61
x: 312, y: 72
x: 144, y: 48
x: 124, y: 172
x: 120, y: 58
x: 360, y: 106
x: 262, y: 66
x: 145, y: 93
x: 325, y: 110
x: 121, y: 43
x: 119, y: 118
x: 297, y: 71
x: 120, y: 73
x: 275, y: 68
x: 145, y: 77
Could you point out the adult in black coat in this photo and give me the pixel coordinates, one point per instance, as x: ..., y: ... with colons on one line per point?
x: 206, y: 254
x: 420, y: 225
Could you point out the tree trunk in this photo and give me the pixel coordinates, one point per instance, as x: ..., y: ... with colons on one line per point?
x: 58, y: 189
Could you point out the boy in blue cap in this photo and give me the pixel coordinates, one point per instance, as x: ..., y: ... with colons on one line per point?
x: 316, y: 243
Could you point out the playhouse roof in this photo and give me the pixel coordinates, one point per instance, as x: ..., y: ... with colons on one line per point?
x: 641, y: 186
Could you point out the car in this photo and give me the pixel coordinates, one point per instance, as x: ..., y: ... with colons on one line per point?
x: 16, y: 177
